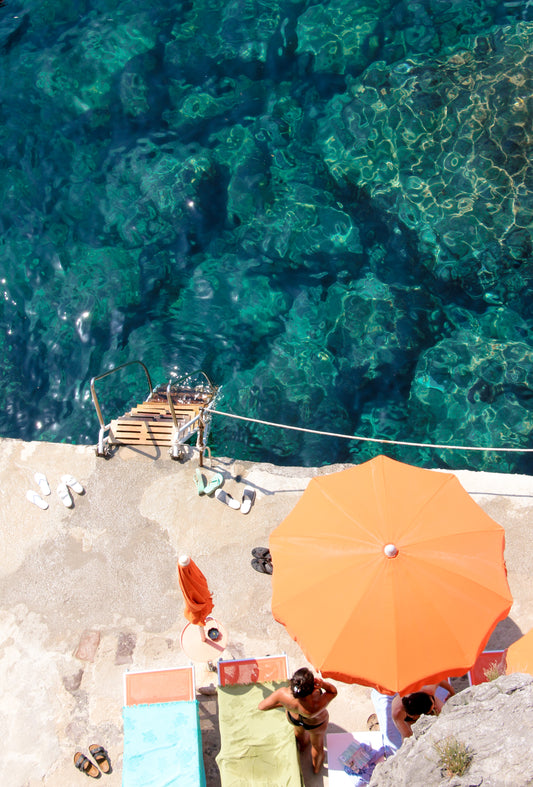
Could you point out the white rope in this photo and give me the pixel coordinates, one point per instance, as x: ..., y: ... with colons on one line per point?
x: 371, y: 439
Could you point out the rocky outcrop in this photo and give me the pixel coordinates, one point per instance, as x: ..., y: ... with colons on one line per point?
x: 494, y: 720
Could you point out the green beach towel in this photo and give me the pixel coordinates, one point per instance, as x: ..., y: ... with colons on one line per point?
x: 257, y: 747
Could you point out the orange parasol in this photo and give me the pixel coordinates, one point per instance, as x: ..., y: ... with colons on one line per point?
x: 193, y: 584
x: 519, y: 656
x: 389, y: 575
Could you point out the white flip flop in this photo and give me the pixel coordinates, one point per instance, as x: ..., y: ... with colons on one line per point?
x: 226, y: 498
x: 64, y: 495
x: 248, y: 497
x: 42, y: 482
x: 36, y: 499
x: 74, y: 484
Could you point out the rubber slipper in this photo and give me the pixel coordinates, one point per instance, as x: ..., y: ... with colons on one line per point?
x: 74, y: 484
x: 199, y: 481
x: 101, y: 757
x: 263, y: 566
x: 214, y: 484
x: 226, y: 498
x: 42, y: 482
x: 263, y: 552
x: 248, y: 497
x: 83, y: 764
x: 36, y: 499
x: 64, y: 495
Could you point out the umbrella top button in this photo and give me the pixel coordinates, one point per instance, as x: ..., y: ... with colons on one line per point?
x: 390, y: 550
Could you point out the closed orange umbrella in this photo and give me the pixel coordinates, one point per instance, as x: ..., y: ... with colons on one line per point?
x: 519, y: 655
x: 389, y: 575
x: 193, y: 584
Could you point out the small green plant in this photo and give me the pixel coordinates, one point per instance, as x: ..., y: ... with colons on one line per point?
x: 454, y: 756
x: 494, y: 671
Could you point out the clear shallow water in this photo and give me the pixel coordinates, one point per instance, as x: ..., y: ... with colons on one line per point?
x: 327, y: 208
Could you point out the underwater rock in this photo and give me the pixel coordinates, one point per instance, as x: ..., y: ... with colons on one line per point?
x: 238, y: 29
x: 289, y: 384
x: 478, y: 389
x: 177, y: 192
x: 78, y: 76
x: 341, y: 36
x: 443, y: 142
x: 375, y: 326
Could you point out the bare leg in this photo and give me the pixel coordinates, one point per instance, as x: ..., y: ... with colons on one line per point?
x: 302, y: 737
x: 317, y: 750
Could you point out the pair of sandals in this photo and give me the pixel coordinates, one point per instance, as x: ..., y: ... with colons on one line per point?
x: 67, y: 482
x: 262, y: 561
x: 99, y: 754
x: 207, y: 489
x: 248, y: 495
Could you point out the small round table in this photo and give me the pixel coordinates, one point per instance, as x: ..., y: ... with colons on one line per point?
x: 199, y: 649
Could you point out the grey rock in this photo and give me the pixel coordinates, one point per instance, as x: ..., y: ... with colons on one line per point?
x: 73, y: 682
x: 495, y: 722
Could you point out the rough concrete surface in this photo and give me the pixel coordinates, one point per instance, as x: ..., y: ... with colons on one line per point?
x: 90, y: 592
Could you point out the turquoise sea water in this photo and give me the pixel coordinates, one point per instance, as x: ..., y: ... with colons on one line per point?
x: 327, y: 206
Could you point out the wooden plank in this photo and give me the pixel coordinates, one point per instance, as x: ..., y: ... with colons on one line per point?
x: 181, y: 412
x: 130, y: 431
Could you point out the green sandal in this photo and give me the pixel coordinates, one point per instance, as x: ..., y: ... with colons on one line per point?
x: 214, y: 484
x: 199, y: 481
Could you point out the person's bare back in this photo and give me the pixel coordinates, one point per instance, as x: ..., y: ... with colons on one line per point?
x: 305, y: 702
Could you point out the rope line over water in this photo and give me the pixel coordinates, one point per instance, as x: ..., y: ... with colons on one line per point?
x: 370, y: 439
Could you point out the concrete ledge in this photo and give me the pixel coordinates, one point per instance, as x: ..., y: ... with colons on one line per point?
x: 89, y: 592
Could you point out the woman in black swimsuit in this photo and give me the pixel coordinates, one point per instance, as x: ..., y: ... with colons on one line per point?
x: 305, y: 702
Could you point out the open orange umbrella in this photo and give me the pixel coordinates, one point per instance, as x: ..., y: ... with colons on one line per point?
x: 519, y: 656
x: 389, y: 575
x: 193, y: 584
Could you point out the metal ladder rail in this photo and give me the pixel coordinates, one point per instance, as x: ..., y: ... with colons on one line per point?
x: 184, y: 431
x: 102, y: 447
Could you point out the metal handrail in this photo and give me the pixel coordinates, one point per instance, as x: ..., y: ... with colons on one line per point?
x: 179, y: 381
x: 192, y: 374
x: 106, y: 374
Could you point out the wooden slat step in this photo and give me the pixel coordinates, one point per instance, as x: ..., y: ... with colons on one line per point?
x: 161, y: 408
x: 139, y: 431
x: 154, y: 408
x: 163, y: 405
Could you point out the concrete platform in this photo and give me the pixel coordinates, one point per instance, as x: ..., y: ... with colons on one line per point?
x: 90, y: 592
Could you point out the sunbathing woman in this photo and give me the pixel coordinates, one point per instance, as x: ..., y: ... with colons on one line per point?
x: 305, y: 703
x: 406, y: 710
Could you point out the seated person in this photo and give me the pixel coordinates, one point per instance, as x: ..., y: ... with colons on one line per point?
x: 305, y: 702
x: 406, y: 710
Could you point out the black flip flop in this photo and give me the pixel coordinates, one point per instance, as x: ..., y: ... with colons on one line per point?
x: 261, y: 552
x: 263, y: 566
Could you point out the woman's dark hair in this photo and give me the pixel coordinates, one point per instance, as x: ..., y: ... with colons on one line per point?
x: 417, y: 703
x: 302, y: 683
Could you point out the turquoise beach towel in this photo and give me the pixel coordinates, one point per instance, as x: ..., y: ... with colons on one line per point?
x: 162, y: 745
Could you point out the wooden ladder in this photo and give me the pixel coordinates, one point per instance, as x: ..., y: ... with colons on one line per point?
x: 151, y: 423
